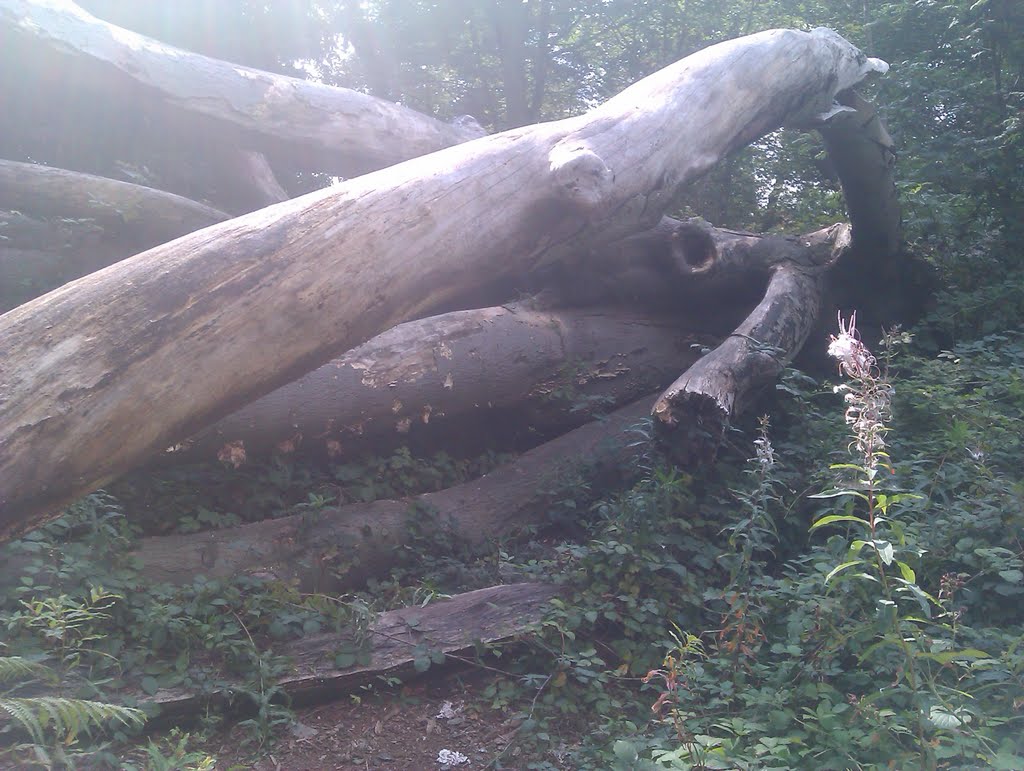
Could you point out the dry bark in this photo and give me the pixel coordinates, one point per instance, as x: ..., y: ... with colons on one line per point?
x: 212, y: 320
x: 497, y: 377
x: 452, y: 626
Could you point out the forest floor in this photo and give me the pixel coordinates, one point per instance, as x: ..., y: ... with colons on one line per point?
x: 402, y: 729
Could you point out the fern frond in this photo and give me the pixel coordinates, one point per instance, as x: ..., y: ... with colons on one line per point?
x: 67, y: 717
x: 18, y: 668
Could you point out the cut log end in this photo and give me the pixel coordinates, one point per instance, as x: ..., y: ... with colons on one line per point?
x: 690, y: 426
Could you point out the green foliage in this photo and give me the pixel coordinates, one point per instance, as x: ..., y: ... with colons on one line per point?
x: 172, y: 754
x: 54, y: 724
x: 873, y: 625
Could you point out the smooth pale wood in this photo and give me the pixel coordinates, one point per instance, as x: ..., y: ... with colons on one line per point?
x: 455, y: 625
x: 105, y: 371
x: 335, y: 130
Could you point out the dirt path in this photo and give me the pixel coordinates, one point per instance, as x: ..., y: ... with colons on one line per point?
x: 397, y: 730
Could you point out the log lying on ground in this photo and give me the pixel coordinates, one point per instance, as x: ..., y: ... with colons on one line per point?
x: 720, y: 385
x: 340, y: 547
x: 505, y: 377
x: 447, y: 380
x: 316, y: 126
x: 456, y: 625
x: 204, y: 324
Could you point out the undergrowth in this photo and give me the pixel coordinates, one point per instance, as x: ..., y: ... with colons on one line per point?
x: 837, y: 601
x: 863, y: 613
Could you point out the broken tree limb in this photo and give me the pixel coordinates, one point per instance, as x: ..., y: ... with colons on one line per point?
x: 722, y: 384
x: 901, y: 285
x: 341, y: 546
x: 320, y: 127
x: 864, y: 157
x: 495, y: 377
x: 451, y: 626
x: 217, y: 318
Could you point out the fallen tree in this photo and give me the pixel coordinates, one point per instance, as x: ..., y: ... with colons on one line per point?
x: 359, y: 291
x: 392, y: 646
x: 207, y: 322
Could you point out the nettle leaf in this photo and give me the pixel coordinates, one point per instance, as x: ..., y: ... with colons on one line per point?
x: 941, y: 717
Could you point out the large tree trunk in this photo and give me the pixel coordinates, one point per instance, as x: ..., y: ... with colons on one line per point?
x: 505, y: 377
x: 214, y: 319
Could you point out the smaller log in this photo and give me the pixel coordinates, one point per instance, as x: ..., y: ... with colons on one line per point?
x: 339, y: 547
x: 700, y: 404
x: 455, y: 625
x: 462, y: 381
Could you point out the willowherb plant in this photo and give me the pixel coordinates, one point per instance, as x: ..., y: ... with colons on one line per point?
x: 868, y: 395
x: 880, y: 557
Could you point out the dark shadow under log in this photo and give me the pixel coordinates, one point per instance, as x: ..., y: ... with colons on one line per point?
x: 341, y: 546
